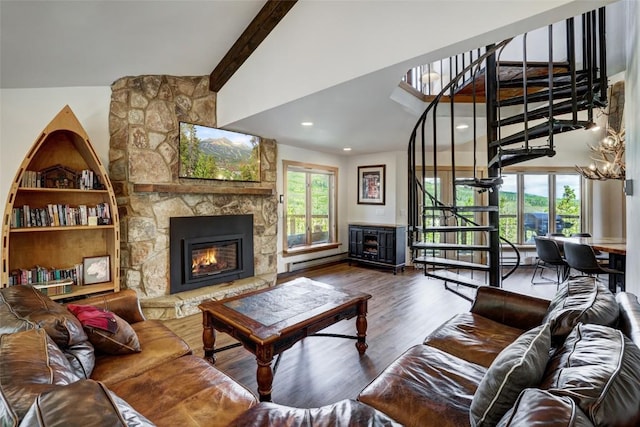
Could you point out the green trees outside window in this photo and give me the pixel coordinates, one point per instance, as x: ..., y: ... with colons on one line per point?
x: 538, y: 204
x: 310, y: 204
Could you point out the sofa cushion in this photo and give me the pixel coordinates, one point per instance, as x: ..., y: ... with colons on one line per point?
x: 536, y: 407
x: 63, y: 327
x: 425, y: 383
x: 10, y: 321
x: 345, y: 413
x: 517, y: 367
x: 581, y: 300
x: 31, y: 364
x: 83, y: 403
x: 8, y: 417
x: 189, y: 388
x: 107, y: 331
x: 473, y: 338
x: 159, y: 345
x: 29, y: 303
x: 597, y: 366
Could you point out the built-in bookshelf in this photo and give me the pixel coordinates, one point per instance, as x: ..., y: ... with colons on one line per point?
x: 61, y: 212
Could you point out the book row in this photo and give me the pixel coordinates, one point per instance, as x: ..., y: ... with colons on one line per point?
x: 61, y: 177
x: 43, y: 277
x: 55, y: 215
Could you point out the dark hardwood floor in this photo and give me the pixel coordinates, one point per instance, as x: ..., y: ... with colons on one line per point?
x: 322, y: 370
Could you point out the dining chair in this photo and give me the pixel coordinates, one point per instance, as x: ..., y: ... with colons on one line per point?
x: 600, y: 256
x: 582, y: 258
x: 549, y: 257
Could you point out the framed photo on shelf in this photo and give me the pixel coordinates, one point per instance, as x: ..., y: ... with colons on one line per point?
x: 96, y: 269
x: 371, y: 185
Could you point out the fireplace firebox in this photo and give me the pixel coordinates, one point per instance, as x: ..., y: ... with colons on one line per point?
x: 209, y: 250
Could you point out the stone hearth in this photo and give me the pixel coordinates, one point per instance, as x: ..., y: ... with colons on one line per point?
x: 143, y: 167
x: 186, y: 303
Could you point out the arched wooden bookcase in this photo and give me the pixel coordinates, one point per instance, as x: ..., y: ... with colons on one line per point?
x: 62, y: 146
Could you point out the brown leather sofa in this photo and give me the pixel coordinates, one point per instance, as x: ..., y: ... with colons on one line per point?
x: 53, y: 373
x: 517, y: 360
x: 512, y: 360
x: 163, y: 384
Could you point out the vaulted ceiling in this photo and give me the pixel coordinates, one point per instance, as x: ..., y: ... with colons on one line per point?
x: 94, y: 43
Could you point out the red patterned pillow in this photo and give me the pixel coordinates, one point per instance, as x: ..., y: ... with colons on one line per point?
x: 107, y: 331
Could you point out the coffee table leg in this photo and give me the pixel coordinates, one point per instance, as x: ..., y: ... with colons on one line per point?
x: 208, y: 338
x: 361, y: 327
x: 264, y: 374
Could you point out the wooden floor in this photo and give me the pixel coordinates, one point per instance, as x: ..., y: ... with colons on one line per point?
x: 321, y: 370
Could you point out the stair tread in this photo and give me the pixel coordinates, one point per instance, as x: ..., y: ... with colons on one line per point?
x: 559, y: 92
x: 463, y: 208
x: 539, y: 131
x: 559, y: 108
x: 479, y: 182
x: 508, y: 157
x: 460, y: 279
x: 449, y: 246
x: 450, y: 262
x: 448, y: 228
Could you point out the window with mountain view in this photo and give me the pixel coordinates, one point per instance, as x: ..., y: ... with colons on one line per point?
x: 310, y: 205
x: 537, y: 204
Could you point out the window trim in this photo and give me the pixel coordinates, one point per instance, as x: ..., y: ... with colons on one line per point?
x: 310, y: 168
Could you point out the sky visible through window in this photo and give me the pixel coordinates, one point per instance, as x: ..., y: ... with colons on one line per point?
x: 539, y: 184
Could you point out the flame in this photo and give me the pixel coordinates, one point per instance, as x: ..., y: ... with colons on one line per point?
x: 204, y: 259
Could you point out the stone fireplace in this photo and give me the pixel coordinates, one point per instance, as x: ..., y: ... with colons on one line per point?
x: 143, y: 166
x: 207, y: 250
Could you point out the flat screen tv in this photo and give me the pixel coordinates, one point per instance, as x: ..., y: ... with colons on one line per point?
x: 211, y: 153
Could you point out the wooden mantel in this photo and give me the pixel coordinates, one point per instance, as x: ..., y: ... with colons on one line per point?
x: 202, y: 189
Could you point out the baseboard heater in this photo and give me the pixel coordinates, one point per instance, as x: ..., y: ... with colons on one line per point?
x: 299, y: 265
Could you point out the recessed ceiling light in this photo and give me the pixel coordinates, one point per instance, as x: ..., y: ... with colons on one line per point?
x: 346, y: 149
x: 307, y: 123
x: 462, y: 126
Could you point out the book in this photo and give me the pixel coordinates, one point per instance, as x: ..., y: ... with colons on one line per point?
x: 55, y: 287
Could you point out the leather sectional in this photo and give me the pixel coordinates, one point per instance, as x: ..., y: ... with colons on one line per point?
x: 512, y: 360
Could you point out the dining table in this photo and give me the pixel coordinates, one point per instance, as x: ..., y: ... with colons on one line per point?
x: 616, y: 247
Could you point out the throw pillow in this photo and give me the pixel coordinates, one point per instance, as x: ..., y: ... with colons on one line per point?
x: 519, y: 366
x: 536, y: 407
x: 83, y: 403
x: 597, y: 366
x: 106, y: 330
x: 30, y: 304
x: 581, y: 300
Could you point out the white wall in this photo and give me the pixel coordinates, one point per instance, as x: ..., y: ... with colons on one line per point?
x: 632, y: 112
x: 24, y: 113
x: 395, y: 177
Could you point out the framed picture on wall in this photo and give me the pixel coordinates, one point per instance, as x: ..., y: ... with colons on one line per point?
x: 371, y: 185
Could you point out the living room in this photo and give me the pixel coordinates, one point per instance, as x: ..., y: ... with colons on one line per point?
x: 26, y: 108
x: 17, y: 101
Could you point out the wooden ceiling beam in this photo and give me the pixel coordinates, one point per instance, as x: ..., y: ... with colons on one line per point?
x: 264, y: 22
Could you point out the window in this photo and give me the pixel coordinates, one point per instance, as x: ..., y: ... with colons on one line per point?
x: 310, y: 209
x: 535, y: 204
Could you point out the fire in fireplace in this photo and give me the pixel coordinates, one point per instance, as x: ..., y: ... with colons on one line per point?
x: 205, y: 262
x: 212, y: 257
x: 210, y: 250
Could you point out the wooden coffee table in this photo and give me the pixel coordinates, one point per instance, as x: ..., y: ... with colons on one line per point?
x: 269, y: 321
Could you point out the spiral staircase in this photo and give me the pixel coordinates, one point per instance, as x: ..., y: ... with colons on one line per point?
x: 526, y: 102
